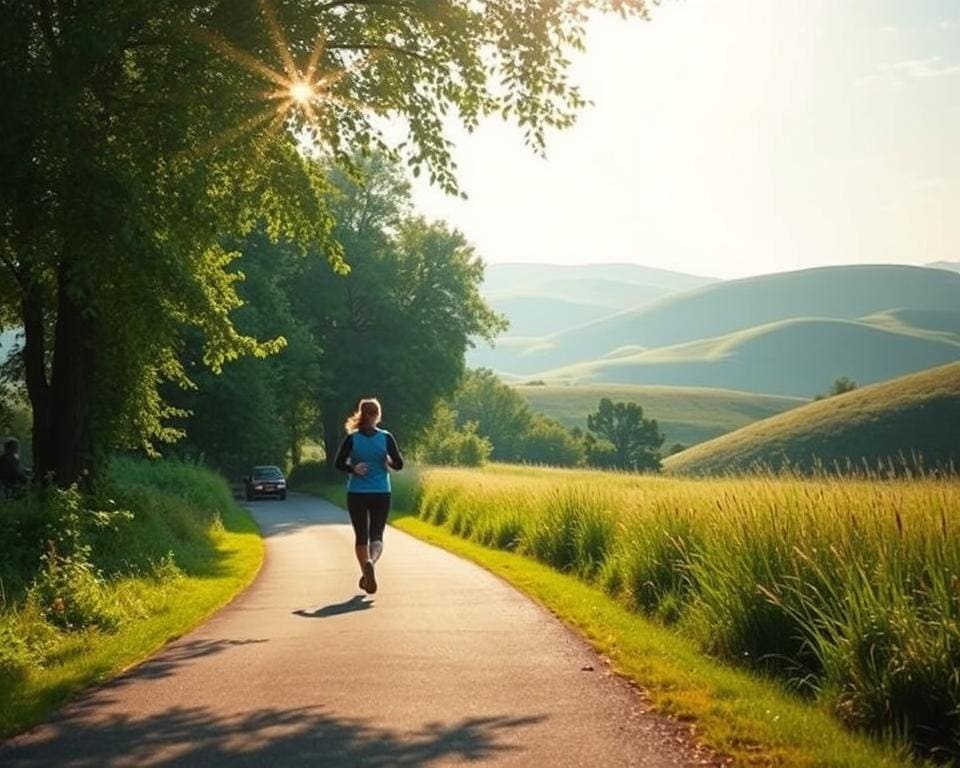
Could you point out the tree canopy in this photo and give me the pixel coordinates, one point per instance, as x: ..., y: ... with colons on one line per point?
x: 141, y: 137
x: 398, y: 325
x: 636, y: 440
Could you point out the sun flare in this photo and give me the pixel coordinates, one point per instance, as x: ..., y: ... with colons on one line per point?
x: 295, y: 89
x: 302, y: 92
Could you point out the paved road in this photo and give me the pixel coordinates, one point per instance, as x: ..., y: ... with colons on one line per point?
x: 445, y: 665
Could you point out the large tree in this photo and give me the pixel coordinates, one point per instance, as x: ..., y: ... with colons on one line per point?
x: 138, y: 135
x: 398, y: 325
x: 636, y: 440
x: 254, y: 411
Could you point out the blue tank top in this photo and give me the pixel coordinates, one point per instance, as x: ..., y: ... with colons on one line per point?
x: 372, y: 451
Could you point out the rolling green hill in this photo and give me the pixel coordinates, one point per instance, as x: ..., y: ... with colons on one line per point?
x: 936, y: 323
x: 791, y: 357
x: 915, y: 414
x: 950, y: 266
x: 558, y: 279
x: 722, y: 308
x: 686, y: 415
x: 542, y: 299
x: 536, y: 315
x: 613, y: 295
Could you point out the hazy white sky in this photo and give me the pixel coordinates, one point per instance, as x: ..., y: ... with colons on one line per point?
x: 734, y: 137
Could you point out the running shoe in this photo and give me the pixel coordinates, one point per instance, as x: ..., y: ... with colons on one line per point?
x: 369, y: 580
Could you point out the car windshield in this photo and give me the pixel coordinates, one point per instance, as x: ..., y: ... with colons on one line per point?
x: 267, y: 473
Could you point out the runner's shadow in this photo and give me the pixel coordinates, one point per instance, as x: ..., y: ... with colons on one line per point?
x: 355, y: 603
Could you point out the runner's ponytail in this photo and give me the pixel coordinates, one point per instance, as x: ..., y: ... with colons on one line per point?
x: 368, y: 412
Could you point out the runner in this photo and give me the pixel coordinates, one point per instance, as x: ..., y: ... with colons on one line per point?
x: 367, y: 454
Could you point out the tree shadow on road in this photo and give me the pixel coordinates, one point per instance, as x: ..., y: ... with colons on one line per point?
x: 194, y: 736
x: 355, y: 603
x: 168, y: 661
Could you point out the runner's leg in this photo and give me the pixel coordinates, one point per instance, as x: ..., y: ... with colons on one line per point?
x: 379, y: 511
x: 358, y: 509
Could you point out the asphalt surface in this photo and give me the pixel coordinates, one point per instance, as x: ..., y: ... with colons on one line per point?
x: 445, y: 665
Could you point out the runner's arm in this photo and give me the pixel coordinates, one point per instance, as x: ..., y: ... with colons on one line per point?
x: 396, y: 460
x: 346, y: 447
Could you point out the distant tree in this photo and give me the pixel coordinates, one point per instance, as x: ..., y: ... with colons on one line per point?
x: 446, y: 443
x: 599, y: 453
x: 500, y: 413
x: 839, y: 386
x: 676, y: 448
x: 636, y: 440
x: 547, y: 441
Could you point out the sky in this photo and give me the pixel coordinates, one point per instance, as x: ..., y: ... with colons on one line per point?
x: 735, y: 137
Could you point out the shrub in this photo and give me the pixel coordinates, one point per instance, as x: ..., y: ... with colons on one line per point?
x: 549, y: 442
x: 445, y: 444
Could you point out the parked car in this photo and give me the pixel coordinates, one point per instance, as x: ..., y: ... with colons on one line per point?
x: 265, y: 481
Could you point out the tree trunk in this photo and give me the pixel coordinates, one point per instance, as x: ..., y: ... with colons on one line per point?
x: 72, y: 385
x: 35, y: 374
x: 62, y: 446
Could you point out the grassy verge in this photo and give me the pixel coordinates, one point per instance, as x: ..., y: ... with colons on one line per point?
x: 134, y: 570
x: 746, y: 716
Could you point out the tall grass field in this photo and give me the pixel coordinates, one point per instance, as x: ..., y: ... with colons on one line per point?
x: 846, y: 589
x: 90, y: 584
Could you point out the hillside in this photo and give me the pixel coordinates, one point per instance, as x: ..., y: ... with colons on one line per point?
x: 913, y: 414
x: 615, y: 295
x: 533, y: 315
x: 938, y: 324
x: 722, y: 308
x: 543, y: 278
x: 950, y: 266
x: 791, y: 357
x: 686, y: 415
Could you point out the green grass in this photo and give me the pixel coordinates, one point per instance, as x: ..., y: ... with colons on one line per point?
x: 186, y: 551
x: 914, y: 414
x: 687, y: 415
x: 842, y: 590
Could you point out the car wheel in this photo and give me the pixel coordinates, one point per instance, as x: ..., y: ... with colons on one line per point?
x: 250, y: 496
x: 283, y: 496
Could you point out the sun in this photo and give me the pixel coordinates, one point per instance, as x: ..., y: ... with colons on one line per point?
x: 302, y: 92
x: 300, y: 89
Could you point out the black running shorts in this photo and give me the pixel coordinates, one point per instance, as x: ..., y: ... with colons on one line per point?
x: 368, y: 515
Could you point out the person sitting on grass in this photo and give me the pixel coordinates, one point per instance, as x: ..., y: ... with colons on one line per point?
x: 12, y: 476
